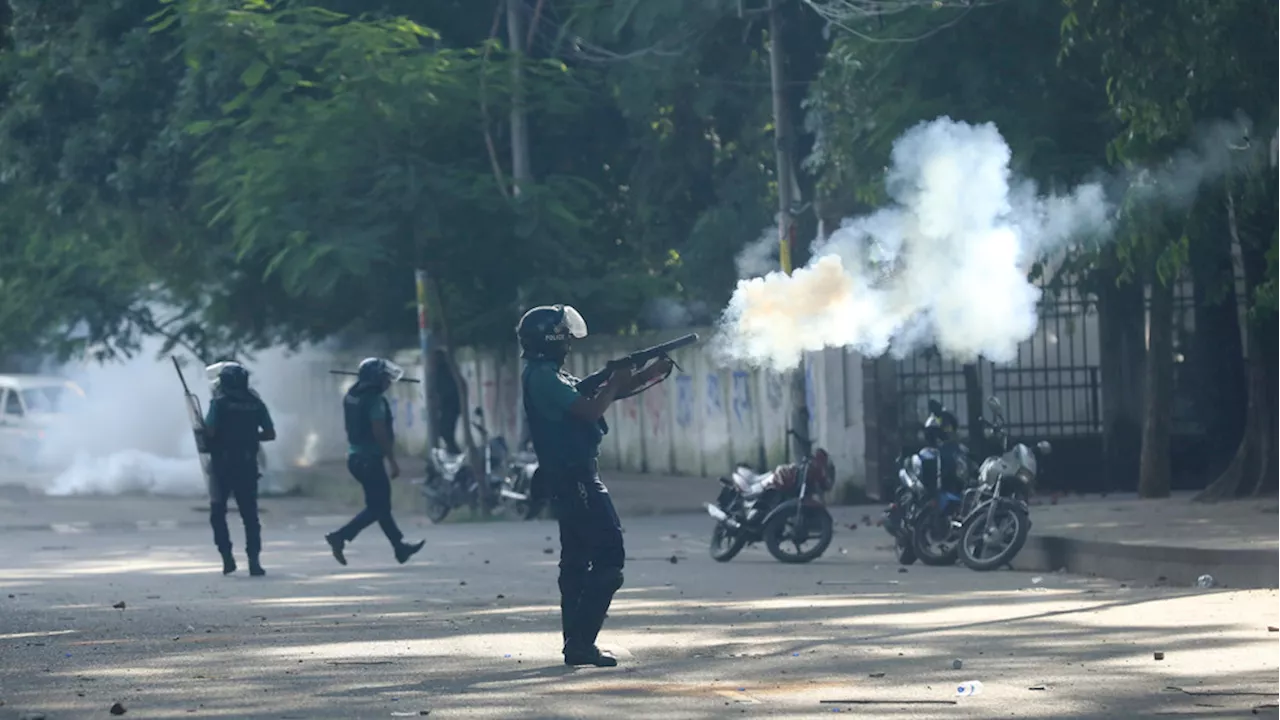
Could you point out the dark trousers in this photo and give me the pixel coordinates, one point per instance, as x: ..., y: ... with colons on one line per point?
x: 591, y: 552
x: 238, y: 478
x: 372, y: 475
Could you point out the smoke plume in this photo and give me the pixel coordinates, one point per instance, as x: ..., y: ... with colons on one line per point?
x: 945, y: 263
x: 130, y: 433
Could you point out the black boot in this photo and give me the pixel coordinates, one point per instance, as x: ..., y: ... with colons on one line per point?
x: 228, y: 562
x: 575, y: 655
x: 404, y: 550
x: 255, y: 568
x: 336, y: 544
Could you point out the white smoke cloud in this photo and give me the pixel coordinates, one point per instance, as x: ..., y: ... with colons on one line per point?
x: 946, y: 263
x: 760, y: 256
x: 131, y: 432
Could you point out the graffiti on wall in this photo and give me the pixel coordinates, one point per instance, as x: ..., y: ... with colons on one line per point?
x: 773, y: 388
x: 655, y: 408
x: 684, y: 400
x: 715, y: 396
x: 741, y: 400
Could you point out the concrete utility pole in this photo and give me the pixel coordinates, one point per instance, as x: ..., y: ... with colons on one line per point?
x: 782, y: 140
x: 519, y: 126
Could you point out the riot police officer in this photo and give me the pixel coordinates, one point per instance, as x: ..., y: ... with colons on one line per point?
x: 566, y: 428
x: 372, y: 453
x: 941, y: 430
x: 236, y: 423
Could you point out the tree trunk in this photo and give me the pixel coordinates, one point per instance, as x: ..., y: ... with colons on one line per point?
x: 1153, y: 475
x: 1219, y: 385
x: 520, y: 171
x: 1122, y: 360
x: 1254, y: 461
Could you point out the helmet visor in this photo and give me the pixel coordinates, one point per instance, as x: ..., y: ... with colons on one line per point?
x: 573, y: 320
x: 393, y: 371
x: 212, y: 371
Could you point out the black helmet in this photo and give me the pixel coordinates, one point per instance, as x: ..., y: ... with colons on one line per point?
x: 544, y: 331
x: 373, y: 372
x: 228, y: 376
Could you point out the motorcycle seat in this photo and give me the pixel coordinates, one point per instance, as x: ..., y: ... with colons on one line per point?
x: 749, y: 483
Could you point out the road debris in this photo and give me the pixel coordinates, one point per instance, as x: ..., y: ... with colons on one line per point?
x: 968, y: 689
x: 547, y: 551
x: 119, y: 606
x: 673, y: 559
x: 1270, y: 628
x: 876, y: 675
x: 359, y: 662
x: 1158, y: 656
x: 957, y: 664
x: 117, y: 709
x: 1205, y: 581
x: 1037, y: 687
x: 1037, y: 580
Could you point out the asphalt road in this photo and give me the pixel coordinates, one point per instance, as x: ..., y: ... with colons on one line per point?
x: 470, y: 629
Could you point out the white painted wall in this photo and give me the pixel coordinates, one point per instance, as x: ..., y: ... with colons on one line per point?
x: 700, y: 422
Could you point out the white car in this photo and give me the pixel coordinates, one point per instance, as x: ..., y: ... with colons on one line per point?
x: 28, y: 405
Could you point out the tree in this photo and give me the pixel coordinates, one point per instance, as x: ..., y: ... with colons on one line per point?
x: 1168, y: 75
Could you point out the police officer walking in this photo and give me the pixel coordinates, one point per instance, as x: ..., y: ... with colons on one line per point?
x: 566, y: 428
x: 236, y: 423
x: 372, y: 453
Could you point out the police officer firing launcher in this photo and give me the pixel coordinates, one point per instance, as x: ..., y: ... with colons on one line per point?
x: 566, y: 424
x: 236, y: 423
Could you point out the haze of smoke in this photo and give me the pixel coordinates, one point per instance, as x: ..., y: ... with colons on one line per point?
x: 760, y: 256
x: 131, y: 433
x: 946, y: 263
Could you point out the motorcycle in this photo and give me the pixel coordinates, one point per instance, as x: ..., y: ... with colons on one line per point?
x: 900, y: 517
x: 784, y: 505
x: 451, y: 482
x: 995, y: 530
x: 943, y: 502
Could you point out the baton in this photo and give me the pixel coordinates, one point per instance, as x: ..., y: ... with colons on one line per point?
x: 349, y: 372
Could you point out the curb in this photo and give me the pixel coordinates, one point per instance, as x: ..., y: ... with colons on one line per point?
x: 1156, y: 564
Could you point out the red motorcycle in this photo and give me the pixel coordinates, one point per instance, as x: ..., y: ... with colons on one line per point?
x: 784, y: 508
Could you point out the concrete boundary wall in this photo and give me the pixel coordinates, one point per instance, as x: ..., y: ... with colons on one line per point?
x: 700, y: 422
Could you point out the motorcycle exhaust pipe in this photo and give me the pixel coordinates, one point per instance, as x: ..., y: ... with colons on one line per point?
x: 513, y: 495
x: 723, y: 517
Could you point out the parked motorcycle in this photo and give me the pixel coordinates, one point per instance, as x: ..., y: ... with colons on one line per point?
x: 908, y: 497
x: 945, y: 501
x: 995, y: 530
x: 452, y: 483
x: 782, y: 507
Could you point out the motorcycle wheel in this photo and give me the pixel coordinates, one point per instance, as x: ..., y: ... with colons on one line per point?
x: 904, y: 550
x: 922, y: 542
x: 724, y: 546
x: 1010, y: 520
x: 437, y: 502
x: 775, y: 533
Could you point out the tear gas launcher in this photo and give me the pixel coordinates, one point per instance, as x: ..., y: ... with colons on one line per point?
x: 636, y: 360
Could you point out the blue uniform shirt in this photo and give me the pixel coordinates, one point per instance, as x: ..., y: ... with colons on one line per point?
x: 374, y: 408
x: 244, y: 416
x: 558, y: 437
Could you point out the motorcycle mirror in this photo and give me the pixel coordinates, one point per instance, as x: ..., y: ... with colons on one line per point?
x: 987, y: 432
x: 993, y: 402
x: 1044, y: 448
